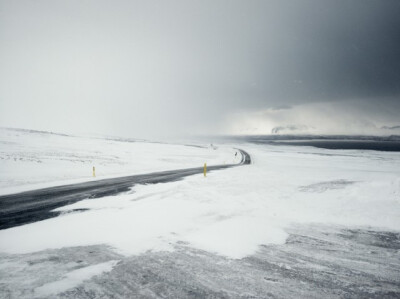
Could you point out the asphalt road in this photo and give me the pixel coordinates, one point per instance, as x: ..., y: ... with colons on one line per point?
x: 27, y: 207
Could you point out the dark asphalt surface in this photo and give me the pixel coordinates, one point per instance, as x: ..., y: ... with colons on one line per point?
x: 27, y: 207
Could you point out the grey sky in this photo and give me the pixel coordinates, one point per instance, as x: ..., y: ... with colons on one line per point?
x: 153, y: 68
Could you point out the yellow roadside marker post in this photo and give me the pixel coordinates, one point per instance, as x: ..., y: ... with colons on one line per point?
x: 205, y: 169
x: 94, y: 171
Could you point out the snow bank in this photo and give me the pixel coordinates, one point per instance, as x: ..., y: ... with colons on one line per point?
x: 31, y: 160
x: 232, y: 211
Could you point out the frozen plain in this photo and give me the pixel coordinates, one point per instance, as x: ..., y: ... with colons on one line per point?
x: 298, y: 222
x: 33, y: 159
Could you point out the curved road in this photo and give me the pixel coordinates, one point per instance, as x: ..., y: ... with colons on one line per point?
x: 26, y: 207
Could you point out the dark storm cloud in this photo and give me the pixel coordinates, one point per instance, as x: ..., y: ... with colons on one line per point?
x: 141, y: 68
x: 329, y: 50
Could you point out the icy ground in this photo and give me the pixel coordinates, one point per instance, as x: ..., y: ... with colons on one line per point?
x: 33, y: 159
x: 315, y: 262
x: 298, y: 222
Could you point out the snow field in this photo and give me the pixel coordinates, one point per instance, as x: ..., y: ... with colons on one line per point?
x: 32, y: 160
x: 232, y: 211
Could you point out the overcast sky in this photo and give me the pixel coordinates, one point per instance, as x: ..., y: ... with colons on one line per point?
x: 159, y: 68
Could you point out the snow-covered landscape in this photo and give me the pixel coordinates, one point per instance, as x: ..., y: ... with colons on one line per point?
x: 199, y: 149
x: 232, y: 214
x: 34, y: 159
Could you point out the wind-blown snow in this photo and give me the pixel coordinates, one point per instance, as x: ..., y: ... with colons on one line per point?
x: 73, y: 279
x: 31, y: 159
x: 231, y: 212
